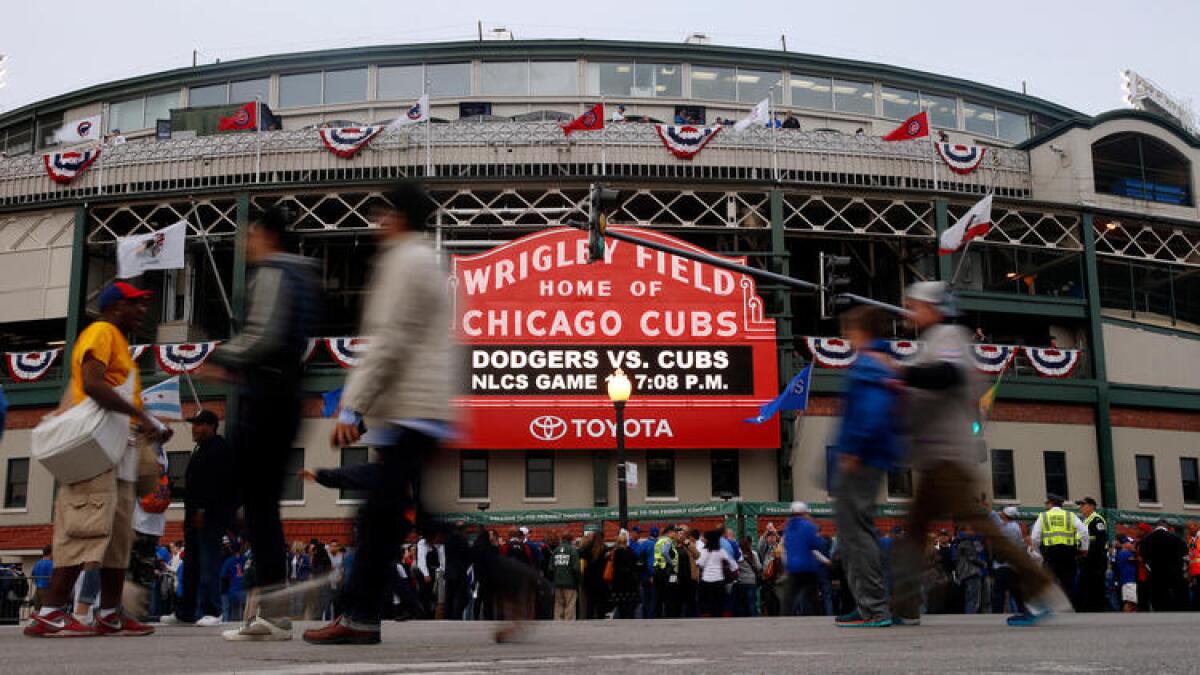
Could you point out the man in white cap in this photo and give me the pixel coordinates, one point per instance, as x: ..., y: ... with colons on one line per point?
x: 942, y: 407
x: 1004, y: 582
x: 803, y: 558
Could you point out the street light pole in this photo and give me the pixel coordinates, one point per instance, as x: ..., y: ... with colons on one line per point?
x: 619, y: 389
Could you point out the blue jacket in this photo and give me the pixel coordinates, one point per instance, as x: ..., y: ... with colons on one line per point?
x: 870, y: 415
x: 800, y: 539
x: 731, y: 549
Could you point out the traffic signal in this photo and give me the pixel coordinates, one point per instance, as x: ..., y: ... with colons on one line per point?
x: 602, y: 200
x: 835, y: 280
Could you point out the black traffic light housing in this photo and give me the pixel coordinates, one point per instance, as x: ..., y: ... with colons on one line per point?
x: 602, y: 201
x: 835, y: 282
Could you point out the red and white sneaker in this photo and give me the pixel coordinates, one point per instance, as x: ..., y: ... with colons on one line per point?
x: 58, y: 624
x: 119, y: 625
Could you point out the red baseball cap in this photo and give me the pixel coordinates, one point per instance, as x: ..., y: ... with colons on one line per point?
x: 119, y: 290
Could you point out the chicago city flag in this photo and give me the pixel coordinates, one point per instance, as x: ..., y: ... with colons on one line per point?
x: 974, y: 223
x: 914, y: 127
x: 592, y: 120
x: 162, y: 400
x: 161, y: 250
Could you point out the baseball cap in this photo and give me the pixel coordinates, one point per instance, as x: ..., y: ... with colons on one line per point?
x: 119, y: 290
x: 799, y: 508
x: 636, y: 528
x: 936, y: 293
x: 1055, y: 499
x: 1085, y: 500
x: 204, y: 417
x: 523, y: 530
x: 654, y: 532
x: 1011, y: 512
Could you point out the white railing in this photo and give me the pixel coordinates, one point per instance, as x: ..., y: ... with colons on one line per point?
x: 511, y: 150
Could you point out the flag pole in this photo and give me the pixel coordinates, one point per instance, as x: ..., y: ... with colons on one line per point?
x: 100, y: 147
x: 428, y: 131
x: 212, y: 260
x: 191, y: 385
x: 962, y: 257
x: 933, y: 161
x: 257, y: 143
x: 774, y: 139
x: 603, y: 135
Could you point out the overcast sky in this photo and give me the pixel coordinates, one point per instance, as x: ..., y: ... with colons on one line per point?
x: 1067, y: 51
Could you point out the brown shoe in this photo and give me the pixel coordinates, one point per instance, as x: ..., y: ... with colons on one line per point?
x: 342, y: 632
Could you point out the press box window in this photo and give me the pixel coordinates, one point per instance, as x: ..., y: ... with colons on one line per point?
x: 473, y: 475
x: 1055, y: 465
x: 293, y: 484
x: 16, y: 483
x: 177, y: 465
x: 353, y: 457
x: 1189, y: 473
x: 726, y: 478
x: 900, y: 484
x: 1146, y: 482
x: 1004, y: 479
x: 660, y: 474
x: 539, y: 475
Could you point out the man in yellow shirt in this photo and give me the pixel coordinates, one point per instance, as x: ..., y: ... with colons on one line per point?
x: 93, y: 519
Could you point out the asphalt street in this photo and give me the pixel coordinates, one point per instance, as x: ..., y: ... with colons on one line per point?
x: 1110, y: 643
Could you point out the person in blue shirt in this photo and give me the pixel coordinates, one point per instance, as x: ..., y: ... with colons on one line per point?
x: 41, y: 577
x: 868, y: 448
x: 1127, y: 575
x: 802, y: 558
x: 233, y: 584
x: 645, y: 553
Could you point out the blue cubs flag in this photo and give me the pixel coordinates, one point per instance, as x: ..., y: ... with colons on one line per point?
x: 795, y: 397
x: 330, y: 402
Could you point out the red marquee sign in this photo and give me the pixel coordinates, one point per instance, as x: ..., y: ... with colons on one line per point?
x: 543, y: 329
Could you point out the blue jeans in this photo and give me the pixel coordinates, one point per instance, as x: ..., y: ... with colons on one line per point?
x: 233, y: 606
x: 744, y: 600
x: 971, y: 589
x: 649, y: 598
x: 201, y: 570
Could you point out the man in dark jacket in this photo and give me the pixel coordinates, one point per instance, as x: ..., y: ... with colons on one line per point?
x: 802, y: 558
x: 208, y: 505
x: 1164, y: 554
x: 264, y: 359
x: 567, y: 575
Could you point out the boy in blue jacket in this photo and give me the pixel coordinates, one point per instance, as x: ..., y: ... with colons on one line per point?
x: 867, y: 448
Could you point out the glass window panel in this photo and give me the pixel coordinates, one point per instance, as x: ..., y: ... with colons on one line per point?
x: 755, y: 85
x: 127, y: 115
x: 809, y: 91
x: 725, y: 473
x: 554, y: 78
x: 1012, y: 126
x: 209, y: 94
x: 1189, y: 473
x: 353, y: 457
x: 1004, y: 483
x: 900, y: 484
x: 504, y: 78
x: 16, y: 484
x: 709, y: 82
x: 449, y: 79
x: 20, y: 139
x: 854, y: 97
x: 473, y: 476
x: 979, y: 118
x: 293, y: 485
x: 400, y: 83
x: 1055, y: 465
x: 1147, y: 486
x: 899, y: 104
x: 158, y: 106
x: 660, y: 474
x: 346, y: 86
x: 668, y: 79
x: 177, y: 465
x: 244, y: 91
x: 943, y: 110
x: 47, y: 126
x: 609, y: 79
x: 299, y: 90
x: 539, y: 475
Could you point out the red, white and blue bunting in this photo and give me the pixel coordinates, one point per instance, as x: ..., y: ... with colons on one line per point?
x: 962, y: 159
x: 30, y: 366
x: 347, y: 141
x: 347, y: 351
x: 64, y: 167
x: 831, y: 352
x: 1052, y: 362
x: 993, y: 359
x: 686, y: 141
x: 183, y: 358
x: 136, y: 351
x: 903, y: 350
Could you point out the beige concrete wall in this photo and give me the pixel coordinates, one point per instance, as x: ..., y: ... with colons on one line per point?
x: 35, y: 264
x: 1136, y: 356
x: 1167, y: 447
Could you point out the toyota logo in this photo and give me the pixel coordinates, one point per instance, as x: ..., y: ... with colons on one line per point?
x: 548, y: 428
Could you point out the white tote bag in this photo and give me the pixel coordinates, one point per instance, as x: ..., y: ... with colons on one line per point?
x: 84, y: 441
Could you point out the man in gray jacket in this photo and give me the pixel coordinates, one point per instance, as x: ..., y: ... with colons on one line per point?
x: 401, y: 392
x: 942, y: 404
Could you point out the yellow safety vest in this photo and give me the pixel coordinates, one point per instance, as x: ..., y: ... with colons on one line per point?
x: 660, y: 561
x: 1095, y: 515
x: 1058, y: 528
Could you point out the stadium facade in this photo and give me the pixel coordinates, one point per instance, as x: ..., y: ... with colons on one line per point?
x: 1095, y: 248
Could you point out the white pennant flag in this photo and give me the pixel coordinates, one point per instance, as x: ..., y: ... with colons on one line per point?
x: 757, y: 116
x: 418, y: 113
x: 79, y: 131
x: 974, y: 223
x: 161, y: 250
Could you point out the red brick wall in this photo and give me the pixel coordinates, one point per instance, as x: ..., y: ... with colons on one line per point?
x: 1005, y: 411
x: 1151, y: 418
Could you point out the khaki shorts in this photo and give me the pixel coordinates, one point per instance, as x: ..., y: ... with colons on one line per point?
x: 1129, y: 593
x: 93, y: 522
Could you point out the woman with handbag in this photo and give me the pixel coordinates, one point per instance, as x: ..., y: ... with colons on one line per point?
x: 93, y: 518
x: 716, y: 570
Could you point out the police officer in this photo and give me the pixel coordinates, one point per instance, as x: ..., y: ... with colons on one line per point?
x: 1062, y: 535
x: 1094, y: 562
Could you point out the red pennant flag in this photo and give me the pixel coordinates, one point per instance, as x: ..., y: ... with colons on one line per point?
x: 592, y: 120
x: 914, y: 127
x: 245, y: 118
